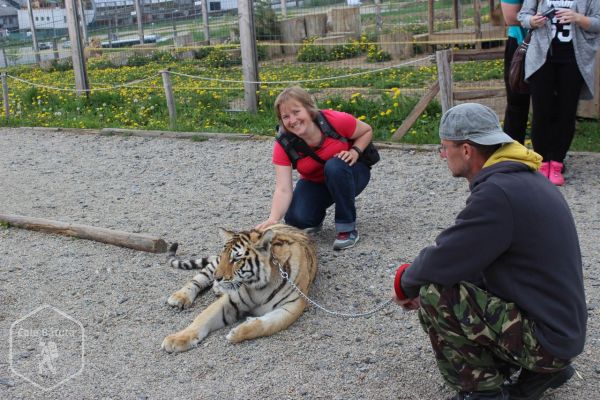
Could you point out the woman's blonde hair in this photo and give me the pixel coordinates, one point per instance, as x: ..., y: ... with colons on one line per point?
x: 301, y: 96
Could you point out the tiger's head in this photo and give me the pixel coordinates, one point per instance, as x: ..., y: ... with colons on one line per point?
x: 245, y: 260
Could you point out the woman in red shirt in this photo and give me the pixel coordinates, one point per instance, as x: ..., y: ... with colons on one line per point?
x: 338, y: 181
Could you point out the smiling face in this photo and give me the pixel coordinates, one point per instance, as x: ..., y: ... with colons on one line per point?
x: 295, y: 118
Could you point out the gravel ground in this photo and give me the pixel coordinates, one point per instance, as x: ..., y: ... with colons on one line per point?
x: 182, y: 191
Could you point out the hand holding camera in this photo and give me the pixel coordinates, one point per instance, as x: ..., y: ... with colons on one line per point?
x: 549, y: 13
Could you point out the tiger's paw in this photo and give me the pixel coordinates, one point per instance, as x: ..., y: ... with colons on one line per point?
x: 178, y: 342
x: 244, y: 331
x: 180, y: 299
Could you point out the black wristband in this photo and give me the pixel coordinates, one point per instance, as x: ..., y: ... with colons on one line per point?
x: 359, y: 151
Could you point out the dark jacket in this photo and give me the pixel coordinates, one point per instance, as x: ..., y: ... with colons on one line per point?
x: 516, y: 236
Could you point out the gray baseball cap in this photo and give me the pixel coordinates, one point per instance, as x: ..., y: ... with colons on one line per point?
x: 474, y: 122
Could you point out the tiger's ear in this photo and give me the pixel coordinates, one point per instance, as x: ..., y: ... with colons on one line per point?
x: 225, y: 234
x: 264, y: 243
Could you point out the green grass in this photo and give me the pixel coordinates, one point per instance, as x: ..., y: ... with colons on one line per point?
x: 378, y: 98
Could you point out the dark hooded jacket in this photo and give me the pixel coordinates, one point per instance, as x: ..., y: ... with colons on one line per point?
x: 517, y: 238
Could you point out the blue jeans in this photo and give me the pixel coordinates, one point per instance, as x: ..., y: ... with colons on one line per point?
x: 342, y: 184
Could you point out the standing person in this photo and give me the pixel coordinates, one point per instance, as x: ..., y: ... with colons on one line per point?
x: 560, y: 68
x: 338, y: 181
x: 502, y: 288
x: 517, y: 104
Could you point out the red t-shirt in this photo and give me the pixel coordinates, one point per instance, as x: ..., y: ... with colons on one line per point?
x: 310, y: 169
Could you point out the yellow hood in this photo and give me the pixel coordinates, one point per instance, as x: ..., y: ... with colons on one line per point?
x: 515, y: 151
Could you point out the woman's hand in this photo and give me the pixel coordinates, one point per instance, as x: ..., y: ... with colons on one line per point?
x: 350, y: 156
x: 568, y: 16
x: 265, y: 224
x: 537, y: 21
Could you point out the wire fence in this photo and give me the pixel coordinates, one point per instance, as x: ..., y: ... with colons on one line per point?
x: 373, y: 59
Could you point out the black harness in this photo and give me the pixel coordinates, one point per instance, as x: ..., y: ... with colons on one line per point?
x: 296, y: 148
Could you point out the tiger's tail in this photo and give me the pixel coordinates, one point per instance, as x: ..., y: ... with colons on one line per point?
x: 175, y: 262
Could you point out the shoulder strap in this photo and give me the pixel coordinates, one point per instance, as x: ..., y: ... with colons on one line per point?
x: 295, y: 147
x: 288, y: 143
x: 326, y: 128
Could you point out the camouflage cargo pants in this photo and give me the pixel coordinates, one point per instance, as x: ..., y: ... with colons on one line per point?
x: 477, y: 337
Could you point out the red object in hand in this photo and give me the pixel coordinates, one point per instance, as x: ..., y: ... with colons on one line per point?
x: 397, y: 286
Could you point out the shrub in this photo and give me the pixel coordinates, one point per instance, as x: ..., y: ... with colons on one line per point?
x: 374, y: 54
x: 343, y: 51
x: 63, y: 64
x: 218, y: 57
x: 310, y: 52
x: 161, y: 56
x: 202, y: 52
x: 137, y: 60
x: 100, y: 63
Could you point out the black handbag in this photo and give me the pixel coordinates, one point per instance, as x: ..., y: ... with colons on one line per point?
x: 516, y: 73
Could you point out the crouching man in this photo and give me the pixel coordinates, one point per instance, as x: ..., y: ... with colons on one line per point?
x: 501, y: 289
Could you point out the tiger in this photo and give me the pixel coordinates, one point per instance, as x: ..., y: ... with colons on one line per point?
x: 246, y: 275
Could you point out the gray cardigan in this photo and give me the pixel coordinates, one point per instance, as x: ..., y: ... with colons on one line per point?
x: 585, y: 43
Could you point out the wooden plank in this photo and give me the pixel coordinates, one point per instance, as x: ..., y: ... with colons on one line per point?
x: 478, y: 55
x: 134, y: 241
x: 478, y: 94
x: 416, y: 111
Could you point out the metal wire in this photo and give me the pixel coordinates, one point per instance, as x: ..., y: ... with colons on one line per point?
x: 285, y: 276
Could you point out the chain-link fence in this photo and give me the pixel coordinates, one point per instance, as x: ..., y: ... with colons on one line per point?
x: 373, y: 59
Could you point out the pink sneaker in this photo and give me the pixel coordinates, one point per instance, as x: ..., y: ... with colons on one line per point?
x: 545, y: 169
x: 555, y: 175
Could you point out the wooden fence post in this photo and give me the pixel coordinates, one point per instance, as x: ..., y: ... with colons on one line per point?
x: 477, y: 23
x: 5, y: 95
x: 166, y: 76
x: 442, y: 58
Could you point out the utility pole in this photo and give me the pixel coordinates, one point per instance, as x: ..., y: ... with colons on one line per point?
x: 73, y: 22
x: 140, y: 19
x: 36, y: 48
x: 249, y: 56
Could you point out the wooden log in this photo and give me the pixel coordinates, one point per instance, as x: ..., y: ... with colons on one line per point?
x: 134, y: 241
x: 416, y: 111
x: 346, y: 20
x: 398, y: 44
x: 293, y: 32
x: 315, y: 24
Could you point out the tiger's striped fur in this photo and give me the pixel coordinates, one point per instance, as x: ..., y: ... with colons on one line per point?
x: 247, y: 276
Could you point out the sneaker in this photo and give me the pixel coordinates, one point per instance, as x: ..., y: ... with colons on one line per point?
x: 531, y: 385
x: 555, y: 174
x: 345, y: 240
x: 313, y: 229
x: 545, y: 168
x: 502, y: 394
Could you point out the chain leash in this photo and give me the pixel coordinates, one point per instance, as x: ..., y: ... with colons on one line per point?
x: 286, y: 276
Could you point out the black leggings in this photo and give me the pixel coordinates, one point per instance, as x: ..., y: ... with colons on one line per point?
x: 555, y: 90
x: 517, y: 104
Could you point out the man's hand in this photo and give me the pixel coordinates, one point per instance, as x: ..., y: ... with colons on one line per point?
x: 407, y: 304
